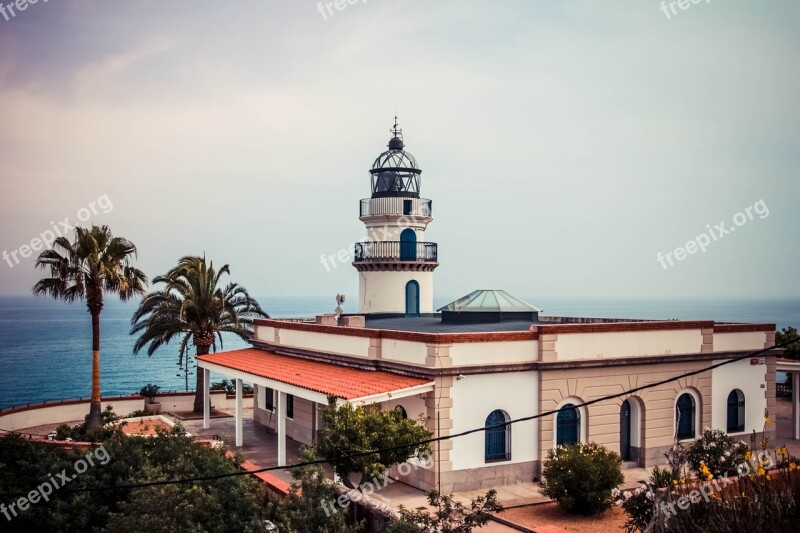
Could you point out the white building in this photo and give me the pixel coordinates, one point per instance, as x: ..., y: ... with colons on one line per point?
x: 489, y: 358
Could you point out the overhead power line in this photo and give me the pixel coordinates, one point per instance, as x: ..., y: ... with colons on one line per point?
x: 409, y: 445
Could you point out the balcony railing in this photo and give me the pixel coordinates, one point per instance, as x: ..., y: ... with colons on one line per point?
x: 410, y: 207
x: 377, y: 251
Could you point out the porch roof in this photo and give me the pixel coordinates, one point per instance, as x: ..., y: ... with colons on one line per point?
x: 324, y: 379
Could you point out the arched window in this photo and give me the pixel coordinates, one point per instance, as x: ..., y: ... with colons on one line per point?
x: 568, y: 425
x: 735, y: 411
x: 685, y: 411
x: 498, y: 437
x: 401, y: 411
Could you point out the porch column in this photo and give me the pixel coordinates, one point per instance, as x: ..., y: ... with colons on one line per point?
x: 206, y: 398
x: 238, y: 412
x: 281, y: 428
x: 795, y: 405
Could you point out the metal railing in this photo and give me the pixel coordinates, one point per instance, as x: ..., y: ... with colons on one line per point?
x: 377, y: 251
x: 410, y: 207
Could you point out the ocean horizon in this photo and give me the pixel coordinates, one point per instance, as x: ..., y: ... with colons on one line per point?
x: 45, y: 345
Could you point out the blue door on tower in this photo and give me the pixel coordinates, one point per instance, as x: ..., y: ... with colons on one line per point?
x: 408, y: 245
x: 412, y: 298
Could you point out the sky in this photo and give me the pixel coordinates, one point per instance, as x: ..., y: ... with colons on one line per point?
x: 564, y: 144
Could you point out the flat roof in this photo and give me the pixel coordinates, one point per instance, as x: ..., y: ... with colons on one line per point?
x: 325, y: 378
x: 434, y: 324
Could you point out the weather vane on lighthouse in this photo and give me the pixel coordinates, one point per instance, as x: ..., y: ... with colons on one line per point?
x: 397, y: 132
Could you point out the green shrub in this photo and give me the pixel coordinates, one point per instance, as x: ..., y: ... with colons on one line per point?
x: 640, y: 504
x: 718, y: 451
x: 63, y: 432
x: 580, y: 477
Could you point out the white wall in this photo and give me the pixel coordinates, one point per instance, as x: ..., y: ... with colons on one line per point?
x: 475, y: 396
x: 745, y: 340
x: 571, y: 346
x: 413, y: 405
x: 747, y: 378
x: 265, y: 333
x: 481, y: 353
x: 405, y: 351
x: 385, y: 292
x: 325, y: 342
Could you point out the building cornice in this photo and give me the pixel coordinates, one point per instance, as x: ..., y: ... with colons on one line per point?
x: 432, y: 372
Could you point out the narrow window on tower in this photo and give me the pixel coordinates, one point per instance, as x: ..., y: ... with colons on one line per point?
x: 406, y: 207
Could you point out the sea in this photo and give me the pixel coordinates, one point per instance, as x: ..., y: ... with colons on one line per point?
x: 45, y: 345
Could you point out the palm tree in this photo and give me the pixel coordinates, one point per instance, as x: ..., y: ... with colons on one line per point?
x: 193, y: 306
x: 95, y: 263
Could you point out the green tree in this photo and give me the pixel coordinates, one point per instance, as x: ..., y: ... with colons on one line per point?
x: 451, y: 516
x: 792, y: 350
x: 231, y: 502
x: 308, y: 506
x: 95, y: 263
x: 194, y: 307
x: 354, y: 429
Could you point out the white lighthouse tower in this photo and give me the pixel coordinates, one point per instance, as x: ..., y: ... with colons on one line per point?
x: 395, y: 264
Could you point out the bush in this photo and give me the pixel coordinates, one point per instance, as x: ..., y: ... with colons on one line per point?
x: 580, y: 477
x: 719, y: 453
x: 450, y: 516
x: 64, y: 432
x: 640, y: 504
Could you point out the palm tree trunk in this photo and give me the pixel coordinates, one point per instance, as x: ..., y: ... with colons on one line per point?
x: 200, y: 384
x: 95, y: 411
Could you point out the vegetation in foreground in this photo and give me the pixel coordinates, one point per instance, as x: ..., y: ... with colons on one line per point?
x: 235, y: 503
x: 736, y: 488
x: 451, y: 516
x: 355, y: 429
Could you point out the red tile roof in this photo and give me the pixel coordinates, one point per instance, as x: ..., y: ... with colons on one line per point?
x: 325, y: 378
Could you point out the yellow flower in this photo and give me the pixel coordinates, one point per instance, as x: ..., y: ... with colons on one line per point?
x: 767, y: 421
x: 747, y: 456
x: 793, y: 465
x: 784, y: 451
x: 769, y: 478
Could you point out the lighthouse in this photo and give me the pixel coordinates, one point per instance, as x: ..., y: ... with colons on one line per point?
x: 395, y: 263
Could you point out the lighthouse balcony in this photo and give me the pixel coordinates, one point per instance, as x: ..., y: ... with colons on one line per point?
x: 396, y: 206
x: 395, y: 251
